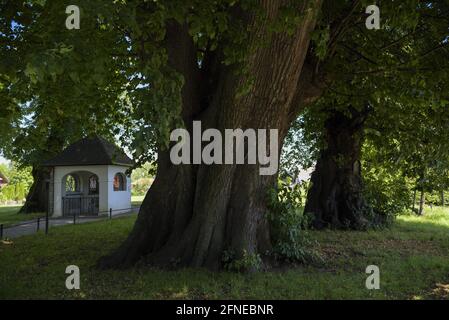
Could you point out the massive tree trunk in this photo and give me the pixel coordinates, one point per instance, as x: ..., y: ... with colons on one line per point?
x: 37, y: 198
x: 194, y: 213
x: 335, y: 198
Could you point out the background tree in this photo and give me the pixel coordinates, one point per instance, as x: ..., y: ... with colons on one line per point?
x: 142, y: 178
x: 20, y: 180
x: 402, y: 63
x: 417, y: 144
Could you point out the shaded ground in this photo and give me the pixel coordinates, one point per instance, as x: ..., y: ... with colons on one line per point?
x: 413, y: 257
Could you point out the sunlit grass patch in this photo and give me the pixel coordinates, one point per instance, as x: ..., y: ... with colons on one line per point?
x: 9, y: 215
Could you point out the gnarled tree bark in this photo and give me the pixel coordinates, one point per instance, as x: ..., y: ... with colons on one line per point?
x: 193, y: 213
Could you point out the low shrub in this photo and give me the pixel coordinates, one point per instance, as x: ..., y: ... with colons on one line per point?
x: 289, y: 224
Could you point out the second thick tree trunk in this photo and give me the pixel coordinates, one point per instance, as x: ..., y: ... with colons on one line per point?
x: 37, y: 198
x: 335, y: 198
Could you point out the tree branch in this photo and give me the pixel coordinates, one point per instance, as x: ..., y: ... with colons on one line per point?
x: 182, y: 57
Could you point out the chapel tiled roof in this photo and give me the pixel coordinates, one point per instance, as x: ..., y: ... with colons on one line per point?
x: 91, y: 151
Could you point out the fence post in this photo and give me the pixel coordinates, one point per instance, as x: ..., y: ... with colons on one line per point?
x: 110, y: 213
x: 1, y: 231
x: 38, y: 223
x: 46, y: 222
x: 74, y: 217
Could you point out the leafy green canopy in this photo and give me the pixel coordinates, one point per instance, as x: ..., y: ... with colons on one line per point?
x: 112, y: 76
x: 395, y: 74
x: 113, y: 71
x: 20, y: 180
x: 55, y: 84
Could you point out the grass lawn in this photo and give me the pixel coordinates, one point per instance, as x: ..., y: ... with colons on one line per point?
x: 9, y: 215
x: 413, y: 257
x: 136, y: 200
